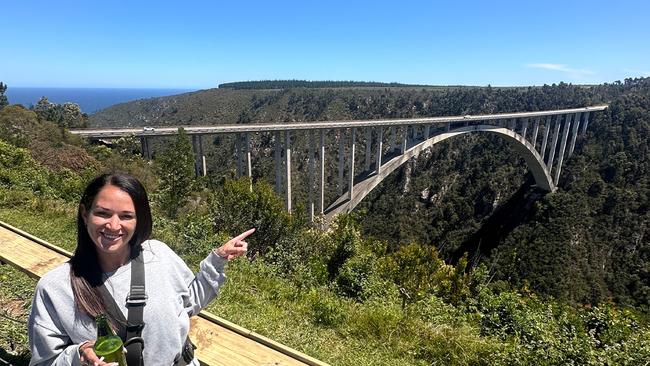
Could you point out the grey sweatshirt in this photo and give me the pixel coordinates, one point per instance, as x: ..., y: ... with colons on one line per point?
x: 57, y: 328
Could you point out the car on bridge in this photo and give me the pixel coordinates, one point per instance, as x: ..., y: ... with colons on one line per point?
x: 148, y: 129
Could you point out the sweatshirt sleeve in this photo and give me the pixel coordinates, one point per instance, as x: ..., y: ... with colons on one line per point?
x: 51, y: 348
x: 49, y: 343
x: 198, y: 289
x: 205, y: 285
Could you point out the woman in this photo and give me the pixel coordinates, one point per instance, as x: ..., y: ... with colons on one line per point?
x: 113, y: 229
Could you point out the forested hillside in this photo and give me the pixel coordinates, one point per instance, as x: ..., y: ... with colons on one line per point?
x: 455, y: 259
x: 472, y: 194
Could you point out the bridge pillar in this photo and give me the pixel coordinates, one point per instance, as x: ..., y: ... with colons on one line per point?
x: 238, y: 154
x: 524, y: 127
x: 351, y: 167
x: 310, y: 180
x: 368, y: 148
x: 585, y: 123
x: 556, y: 134
x: 513, y: 124
x: 448, y: 126
x: 340, y: 134
x: 203, y: 164
x: 404, y: 139
x: 535, y: 132
x: 199, y: 159
x: 380, y: 137
x: 278, y: 164
x: 427, y: 131
x: 574, y: 133
x: 321, y: 182
x: 393, y: 139
x: 547, y: 129
x: 287, y: 157
x: 144, y: 146
x: 247, y: 150
x: 565, y: 135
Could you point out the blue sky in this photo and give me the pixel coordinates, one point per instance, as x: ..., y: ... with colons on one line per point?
x: 199, y: 44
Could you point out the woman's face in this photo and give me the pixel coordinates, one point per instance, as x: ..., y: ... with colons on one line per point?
x: 111, y: 222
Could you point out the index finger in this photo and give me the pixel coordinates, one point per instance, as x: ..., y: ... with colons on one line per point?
x: 245, y: 234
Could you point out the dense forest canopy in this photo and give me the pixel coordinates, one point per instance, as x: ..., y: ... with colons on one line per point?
x: 288, y: 84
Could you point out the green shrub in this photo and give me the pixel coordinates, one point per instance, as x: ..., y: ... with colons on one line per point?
x: 237, y: 207
x: 18, y: 170
x: 358, y: 278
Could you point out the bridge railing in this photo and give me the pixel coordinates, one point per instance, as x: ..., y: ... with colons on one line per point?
x: 106, y: 133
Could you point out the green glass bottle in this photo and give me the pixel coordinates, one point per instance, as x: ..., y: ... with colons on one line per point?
x: 108, y: 344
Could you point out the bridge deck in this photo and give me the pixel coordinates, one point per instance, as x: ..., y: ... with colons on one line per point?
x: 216, y: 127
x: 218, y: 341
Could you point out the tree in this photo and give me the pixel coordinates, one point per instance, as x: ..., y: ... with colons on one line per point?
x: 67, y: 115
x: 3, y: 98
x: 176, y: 170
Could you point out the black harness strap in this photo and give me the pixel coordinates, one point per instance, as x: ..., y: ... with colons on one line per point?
x: 135, y: 302
x: 130, y: 330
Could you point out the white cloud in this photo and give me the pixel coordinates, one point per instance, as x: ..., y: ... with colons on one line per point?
x: 561, y: 68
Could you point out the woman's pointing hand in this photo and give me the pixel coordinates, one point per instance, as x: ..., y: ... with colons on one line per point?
x: 234, y: 247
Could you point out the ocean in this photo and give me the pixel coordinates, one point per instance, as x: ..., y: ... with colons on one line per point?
x: 90, y: 100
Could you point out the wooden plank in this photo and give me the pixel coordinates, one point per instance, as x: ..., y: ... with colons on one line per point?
x: 26, y: 255
x: 218, y: 341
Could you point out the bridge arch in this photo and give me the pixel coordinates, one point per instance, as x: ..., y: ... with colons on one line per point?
x: 524, y: 148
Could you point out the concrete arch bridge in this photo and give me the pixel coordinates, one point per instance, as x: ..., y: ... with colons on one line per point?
x: 368, y: 151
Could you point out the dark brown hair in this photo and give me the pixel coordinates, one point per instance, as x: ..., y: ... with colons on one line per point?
x: 85, y: 271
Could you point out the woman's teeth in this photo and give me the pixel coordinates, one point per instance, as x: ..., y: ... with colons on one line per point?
x: 110, y: 237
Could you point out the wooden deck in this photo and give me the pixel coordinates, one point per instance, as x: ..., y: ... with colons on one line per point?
x: 218, y: 341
